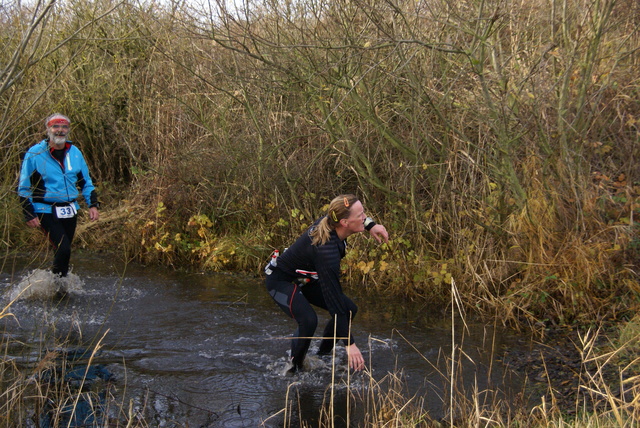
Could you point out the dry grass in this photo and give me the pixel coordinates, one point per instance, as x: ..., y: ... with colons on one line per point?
x: 606, y: 394
x: 56, y: 387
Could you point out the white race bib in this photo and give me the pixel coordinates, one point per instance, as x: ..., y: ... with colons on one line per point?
x: 68, y: 211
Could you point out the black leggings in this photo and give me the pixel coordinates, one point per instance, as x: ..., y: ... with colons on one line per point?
x: 60, y: 232
x: 296, y: 302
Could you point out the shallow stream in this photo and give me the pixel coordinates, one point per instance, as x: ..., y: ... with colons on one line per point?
x: 210, y: 349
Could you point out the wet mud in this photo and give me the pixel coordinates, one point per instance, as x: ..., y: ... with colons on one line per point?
x: 570, y: 370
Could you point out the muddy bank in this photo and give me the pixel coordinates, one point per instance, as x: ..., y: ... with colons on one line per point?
x: 569, y: 370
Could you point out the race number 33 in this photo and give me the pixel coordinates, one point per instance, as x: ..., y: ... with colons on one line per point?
x: 65, y: 212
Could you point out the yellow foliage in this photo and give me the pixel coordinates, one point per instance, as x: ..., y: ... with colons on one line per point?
x: 200, y: 220
x: 162, y: 248
x: 365, y: 267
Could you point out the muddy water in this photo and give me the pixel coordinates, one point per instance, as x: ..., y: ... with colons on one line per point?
x: 209, y: 349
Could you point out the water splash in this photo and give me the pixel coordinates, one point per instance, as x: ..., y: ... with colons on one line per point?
x: 43, y: 284
x: 317, y: 366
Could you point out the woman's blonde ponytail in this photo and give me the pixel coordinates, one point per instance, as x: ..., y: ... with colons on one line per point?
x: 339, y: 208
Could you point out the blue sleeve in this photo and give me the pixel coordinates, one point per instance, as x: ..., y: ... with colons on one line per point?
x: 88, y: 190
x: 24, y: 186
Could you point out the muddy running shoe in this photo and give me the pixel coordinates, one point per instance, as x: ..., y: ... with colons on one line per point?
x: 292, y: 369
x: 60, y: 285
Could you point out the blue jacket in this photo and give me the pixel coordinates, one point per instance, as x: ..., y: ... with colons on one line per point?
x: 45, y: 182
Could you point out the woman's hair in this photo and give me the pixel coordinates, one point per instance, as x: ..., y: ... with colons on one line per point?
x: 339, y: 208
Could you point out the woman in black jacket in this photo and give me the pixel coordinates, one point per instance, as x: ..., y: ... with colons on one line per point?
x: 308, y: 273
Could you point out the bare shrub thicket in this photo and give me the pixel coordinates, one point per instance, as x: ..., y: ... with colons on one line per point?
x: 496, y: 140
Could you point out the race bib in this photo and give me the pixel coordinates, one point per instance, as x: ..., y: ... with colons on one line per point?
x: 68, y: 211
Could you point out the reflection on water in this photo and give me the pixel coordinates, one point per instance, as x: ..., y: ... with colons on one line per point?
x: 210, y: 349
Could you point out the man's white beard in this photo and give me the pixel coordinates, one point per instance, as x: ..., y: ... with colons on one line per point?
x: 57, y: 140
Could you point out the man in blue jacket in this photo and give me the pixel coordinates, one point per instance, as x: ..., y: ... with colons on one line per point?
x: 52, y: 172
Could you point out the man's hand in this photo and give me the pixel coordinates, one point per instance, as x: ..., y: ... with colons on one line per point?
x: 94, y: 215
x: 379, y: 232
x: 34, y: 222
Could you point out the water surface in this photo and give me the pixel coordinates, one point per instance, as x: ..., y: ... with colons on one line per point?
x: 210, y: 349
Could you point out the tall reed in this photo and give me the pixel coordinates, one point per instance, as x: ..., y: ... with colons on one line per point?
x: 55, y: 384
x: 604, y: 395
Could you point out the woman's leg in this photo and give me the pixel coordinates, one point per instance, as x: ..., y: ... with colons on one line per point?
x: 314, y: 296
x: 292, y: 302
